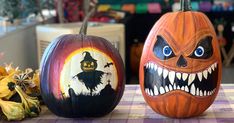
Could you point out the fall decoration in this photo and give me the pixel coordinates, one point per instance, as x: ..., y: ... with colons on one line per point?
x: 14, y: 86
x: 81, y: 75
x: 180, y: 69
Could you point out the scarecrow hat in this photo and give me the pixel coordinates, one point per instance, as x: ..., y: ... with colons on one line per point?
x: 88, y: 57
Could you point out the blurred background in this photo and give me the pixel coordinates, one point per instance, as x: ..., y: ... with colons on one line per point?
x: 28, y: 26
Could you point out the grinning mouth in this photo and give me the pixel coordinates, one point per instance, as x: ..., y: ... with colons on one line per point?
x: 159, y: 80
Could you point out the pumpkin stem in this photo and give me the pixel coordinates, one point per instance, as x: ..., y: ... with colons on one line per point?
x: 185, y: 5
x: 83, y: 29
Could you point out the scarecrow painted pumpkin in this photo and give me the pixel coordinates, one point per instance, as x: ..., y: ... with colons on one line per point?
x: 81, y: 75
x: 180, y: 69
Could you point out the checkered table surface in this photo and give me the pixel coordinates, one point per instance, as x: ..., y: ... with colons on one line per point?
x: 133, y: 109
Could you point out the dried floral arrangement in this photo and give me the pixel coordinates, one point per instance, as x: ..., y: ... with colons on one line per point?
x: 18, y: 93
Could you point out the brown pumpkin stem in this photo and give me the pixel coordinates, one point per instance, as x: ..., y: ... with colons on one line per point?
x: 185, y: 5
x: 83, y: 29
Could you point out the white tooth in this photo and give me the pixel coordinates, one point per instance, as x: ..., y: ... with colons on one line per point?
x: 170, y: 87
x: 215, y: 64
x: 155, y: 90
x: 147, y: 65
x: 165, y: 73
x: 151, y: 93
x: 178, y: 87
x: 213, y: 67
x: 191, y: 78
x: 199, y: 76
x: 151, y: 65
x: 184, y: 76
x: 182, y: 88
x: 209, y: 70
x: 193, y: 90
x: 204, y: 93
x: 208, y: 93
x: 146, y: 90
x: 174, y: 86
x: 166, y: 88
x: 159, y: 71
x: 171, y: 76
x: 178, y: 75
x: 162, y: 91
x: 211, y: 92
x: 186, y: 88
x: 205, y: 74
x: 197, y: 92
x: 155, y: 67
x: 201, y: 93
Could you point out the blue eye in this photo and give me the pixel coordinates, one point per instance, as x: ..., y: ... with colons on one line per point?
x: 167, y: 51
x: 199, y: 51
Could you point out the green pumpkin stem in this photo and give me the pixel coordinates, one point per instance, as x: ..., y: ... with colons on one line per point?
x: 83, y: 29
x: 185, y: 5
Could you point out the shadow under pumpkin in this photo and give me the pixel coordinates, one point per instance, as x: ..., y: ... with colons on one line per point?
x: 83, y: 105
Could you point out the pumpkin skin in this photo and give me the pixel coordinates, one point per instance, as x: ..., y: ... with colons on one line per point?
x: 68, y: 89
x: 180, y: 69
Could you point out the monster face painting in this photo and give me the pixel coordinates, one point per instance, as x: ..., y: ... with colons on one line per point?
x: 180, y: 68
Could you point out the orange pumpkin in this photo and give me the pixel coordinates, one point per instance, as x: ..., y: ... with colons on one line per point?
x: 180, y: 69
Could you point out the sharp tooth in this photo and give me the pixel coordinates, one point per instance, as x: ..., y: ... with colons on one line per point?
x: 182, y: 88
x: 215, y: 64
x: 151, y: 65
x: 178, y: 75
x: 159, y: 71
x: 184, y: 76
x: 178, y: 87
x: 165, y: 73
x: 197, y: 92
x: 151, y: 93
x: 209, y: 70
x: 155, y: 67
x: 186, y: 88
x: 174, y: 86
x: 172, y: 76
x: 166, y: 88
x: 204, y: 93
x: 211, y: 92
x: 162, y: 91
x: 155, y: 90
x: 193, y: 90
x: 170, y: 87
x: 199, y: 76
x: 208, y: 93
x: 147, y: 65
x: 205, y: 74
x: 201, y: 93
x: 213, y: 67
x: 146, y: 90
x: 191, y: 78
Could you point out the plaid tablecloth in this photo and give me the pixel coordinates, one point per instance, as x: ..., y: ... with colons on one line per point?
x: 133, y: 109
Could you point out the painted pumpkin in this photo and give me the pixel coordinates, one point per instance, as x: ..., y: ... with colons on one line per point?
x: 180, y: 69
x: 81, y: 75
